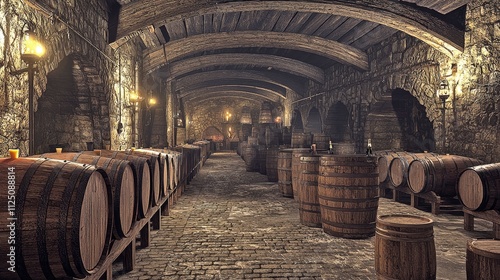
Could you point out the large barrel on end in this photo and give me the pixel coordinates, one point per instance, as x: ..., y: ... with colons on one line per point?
x: 478, y: 187
x: 63, y: 218
x: 123, y: 179
x: 438, y: 173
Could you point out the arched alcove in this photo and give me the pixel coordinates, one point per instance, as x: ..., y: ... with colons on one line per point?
x: 399, y: 122
x: 214, y: 134
x: 297, y: 125
x: 337, y: 123
x: 313, y: 124
x: 73, y: 111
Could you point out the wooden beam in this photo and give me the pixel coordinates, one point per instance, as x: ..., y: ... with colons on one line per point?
x: 287, y: 82
x: 278, y: 63
x: 224, y: 81
x: 264, y: 92
x: 416, y: 22
x: 224, y: 95
x: 240, y: 39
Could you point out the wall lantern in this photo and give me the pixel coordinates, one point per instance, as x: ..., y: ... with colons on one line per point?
x: 32, y: 51
x: 228, y: 116
x: 443, y: 94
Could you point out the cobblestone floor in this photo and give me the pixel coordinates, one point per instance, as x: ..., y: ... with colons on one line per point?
x: 233, y: 224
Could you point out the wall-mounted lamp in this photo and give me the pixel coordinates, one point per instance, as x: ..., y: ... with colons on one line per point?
x: 443, y: 94
x: 228, y: 116
x: 32, y: 51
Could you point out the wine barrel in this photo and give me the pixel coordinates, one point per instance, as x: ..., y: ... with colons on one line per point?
x: 123, y: 179
x: 244, y: 145
x: 285, y: 172
x: 384, y: 161
x: 272, y: 164
x: 478, y: 187
x: 348, y: 195
x: 438, y: 173
x: 404, y: 247
x: 301, y: 140
x: 322, y: 141
x: 159, y: 171
x: 63, y: 214
x: 296, y: 154
x: 483, y: 259
x: 251, y: 160
x: 343, y: 148
x: 309, y: 209
x: 261, y: 155
x: 143, y: 171
x: 398, y: 168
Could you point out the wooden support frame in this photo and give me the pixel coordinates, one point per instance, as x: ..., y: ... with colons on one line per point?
x: 490, y: 215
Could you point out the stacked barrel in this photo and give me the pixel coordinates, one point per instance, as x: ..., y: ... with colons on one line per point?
x: 69, y: 208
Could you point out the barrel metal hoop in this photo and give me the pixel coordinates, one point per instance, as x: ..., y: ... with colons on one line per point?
x: 359, y: 226
x: 350, y: 175
x: 41, y: 238
x: 408, y: 237
x: 20, y: 200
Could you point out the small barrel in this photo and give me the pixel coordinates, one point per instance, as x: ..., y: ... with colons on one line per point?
x: 478, y: 187
x: 123, y: 179
x: 251, y: 158
x: 404, y: 247
x: 63, y: 214
x: 309, y: 209
x: 348, y: 195
x: 438, y: 173
x: 244, y: 145
x: 398, y: 168
x: 384, y: 160
x: 296, y: 154
x: 343, y: 148
x: 301, y: 140
x: 261, y: 158
x: 285, y: 172
x: 483, y: 259
x: 272, y: 164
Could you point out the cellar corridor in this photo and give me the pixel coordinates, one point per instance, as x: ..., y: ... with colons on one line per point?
x: 234, y: 224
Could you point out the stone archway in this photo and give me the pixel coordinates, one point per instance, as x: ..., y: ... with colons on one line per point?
x: 314, y: 124
x: 337, y: 123
x: 297, y: 125
x: 73, y: 111
x: 214, y: 134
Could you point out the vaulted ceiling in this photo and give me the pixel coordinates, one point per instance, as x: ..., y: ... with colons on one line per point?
x: 261, y: 49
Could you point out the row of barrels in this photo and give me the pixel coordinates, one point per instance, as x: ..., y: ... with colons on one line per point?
x: 476, y: 185
x: 66, y: 209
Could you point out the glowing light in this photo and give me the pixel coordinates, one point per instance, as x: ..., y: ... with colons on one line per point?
x: 152, y: 101
x: 31, y: 45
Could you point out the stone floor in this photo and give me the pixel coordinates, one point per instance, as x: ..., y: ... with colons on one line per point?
x: 233, y: 224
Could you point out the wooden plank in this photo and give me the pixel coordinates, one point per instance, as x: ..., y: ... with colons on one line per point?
x: 269, y: 21
x: 345, y: 27
x: 194, y: 25
x: 225, y: 95
x: 414, y: 21
x: 129, y: 257
x: 156, y: 220
x: 331, y: 24
x: 284, y: 19
x: 217, y: 21
x: 230, y: 21
x: 251, y: 20
x: 145, y: 235
x: 375, y: 36
x: 197, y: 44
x: 176, y: 30
x: 297, y: 22
x: 269, y: 94
x: 207, y: 23
x: 359, y: 31
x: 314, y: 23
x: 226, y: 81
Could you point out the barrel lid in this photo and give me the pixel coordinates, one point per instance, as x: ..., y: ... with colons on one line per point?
x: 404, y: 219
x: 485, y: 247
x: 470, y: 189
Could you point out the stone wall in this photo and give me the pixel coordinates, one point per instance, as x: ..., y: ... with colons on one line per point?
x: 405, y: 63
x: 67, y: 33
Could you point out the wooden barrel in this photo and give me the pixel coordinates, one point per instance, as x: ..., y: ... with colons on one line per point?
x: 246, y: 118
x: 301, y: 140
x: 159, y: 171
x: 143, y: 171
x: 398, y: 168
x: 322, y: 141
x: 253, y: 141
x: 244, y: 145
x: 348, y: 195
x: 384, y: 161
x: 63, y: 214
x: 296, y: 154
x: 265, y: 116
x: 272, y: 164
x: 251, y: 160
x: 309, y: 209
x: 163, y: 166
x: 123, y: 179
x: 285, y: 172
x: 483, y: 259
x: 438, y: 173
x: 478, y: 187
x: 261, y: 155
x: 404, y: 247
x: 343, y: 148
